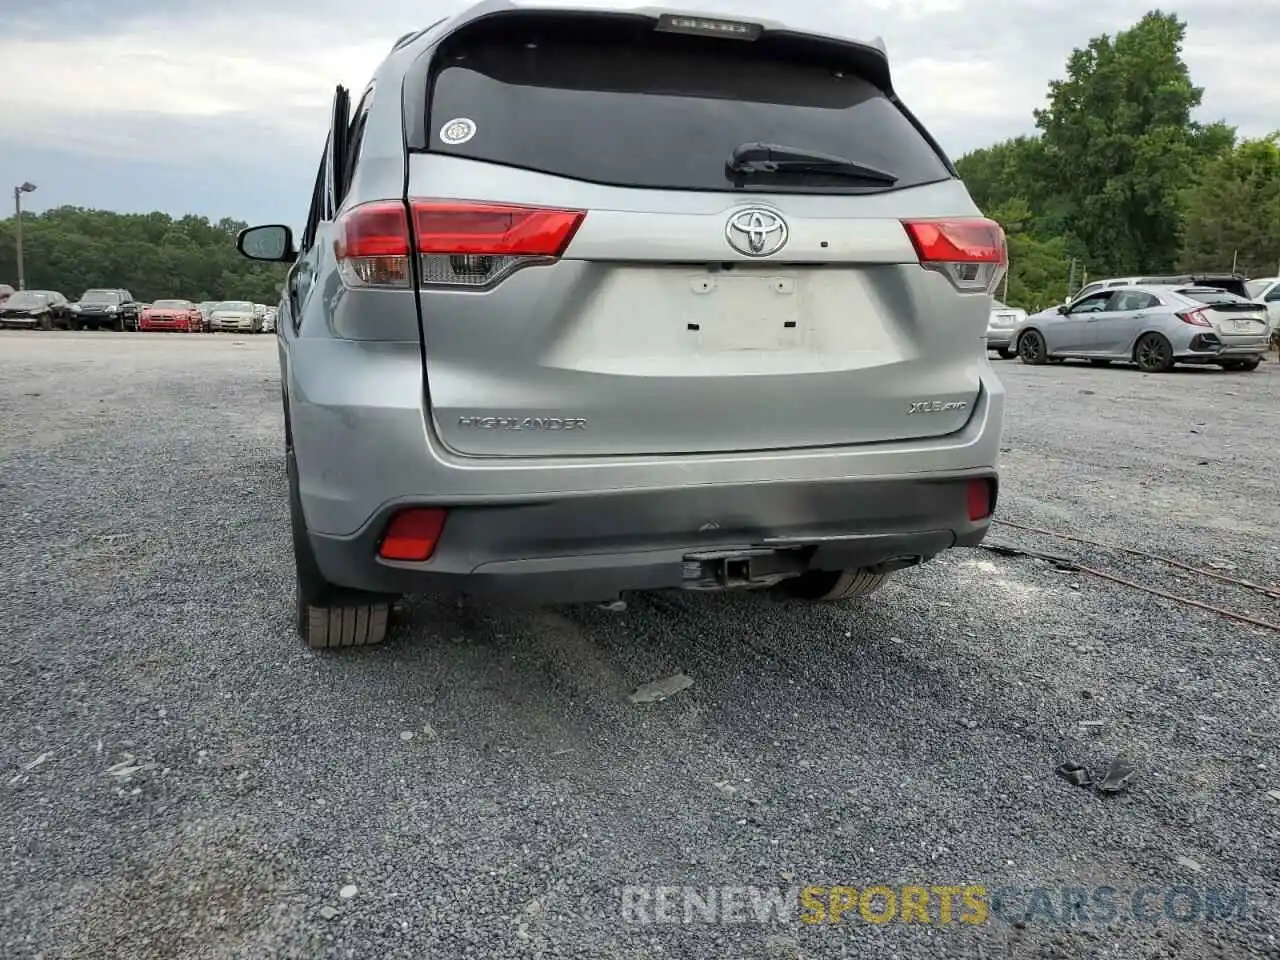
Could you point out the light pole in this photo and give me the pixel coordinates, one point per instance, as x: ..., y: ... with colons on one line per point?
x: 25, y: 187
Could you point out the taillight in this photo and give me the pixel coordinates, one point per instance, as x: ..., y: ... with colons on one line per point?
x: 372, y: 245
x: 412, y: 534
x: 1195, y: 317
x: 971, y: 253
x: 461, y: 243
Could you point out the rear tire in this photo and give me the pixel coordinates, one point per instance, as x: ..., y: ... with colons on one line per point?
x: 1153, y: 354
x: 325, y: 627
x: 329, y: 616
x: 1031, y: 348
x: 1241, y: 365
x: 829, y: 586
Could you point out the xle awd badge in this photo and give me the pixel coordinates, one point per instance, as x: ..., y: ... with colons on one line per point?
x: 936, y: 406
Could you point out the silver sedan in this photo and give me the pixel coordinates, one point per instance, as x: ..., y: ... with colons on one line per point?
x: 1000, y: 326
x: 1151, y: 326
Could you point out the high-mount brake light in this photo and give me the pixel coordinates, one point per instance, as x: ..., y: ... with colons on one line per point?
x: 972, y: 253
x: 709, y: 27
x: 372, y: 245
x: 1196, y: 317
x: 474, y: 244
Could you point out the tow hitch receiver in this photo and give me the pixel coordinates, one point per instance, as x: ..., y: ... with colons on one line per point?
x: 740, y: 569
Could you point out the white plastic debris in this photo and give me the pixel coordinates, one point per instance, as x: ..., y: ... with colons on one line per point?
x: 660, y: 690
x: 38, y: 760
x: 349, y: 891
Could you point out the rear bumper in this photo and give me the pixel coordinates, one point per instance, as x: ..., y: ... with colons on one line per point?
x: 1210, y: 348
x: 590, y: 548
x: 999, y: 338
x: 364, y: 446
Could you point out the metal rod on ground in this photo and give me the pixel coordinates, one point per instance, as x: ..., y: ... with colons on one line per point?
x: 1236, y: 581
x: 1163, y: 594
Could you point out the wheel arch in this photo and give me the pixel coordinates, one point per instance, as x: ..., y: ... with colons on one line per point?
x: 1141, y: 335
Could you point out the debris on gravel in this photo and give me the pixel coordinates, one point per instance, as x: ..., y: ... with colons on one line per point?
x: 659, y: 690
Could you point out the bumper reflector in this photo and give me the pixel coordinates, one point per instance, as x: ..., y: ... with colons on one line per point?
x: 412, y: 534
x: 982, y: 495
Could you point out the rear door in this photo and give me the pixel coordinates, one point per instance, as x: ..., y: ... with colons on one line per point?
x: 1114, y: 330
x: 595, y: 281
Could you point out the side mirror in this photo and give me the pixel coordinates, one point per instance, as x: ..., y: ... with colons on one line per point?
x: 272, y: 243
x: 1064, y: 307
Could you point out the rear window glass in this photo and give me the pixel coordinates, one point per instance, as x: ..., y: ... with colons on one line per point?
x: 1207, y: 295
x: 662, y: 113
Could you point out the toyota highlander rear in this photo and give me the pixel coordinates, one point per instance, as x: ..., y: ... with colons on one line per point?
x: 693, y: 303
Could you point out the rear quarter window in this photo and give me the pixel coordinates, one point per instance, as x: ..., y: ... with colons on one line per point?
x: 666, y: 114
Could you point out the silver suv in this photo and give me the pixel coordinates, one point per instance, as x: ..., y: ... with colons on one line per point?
x: 592, y: 301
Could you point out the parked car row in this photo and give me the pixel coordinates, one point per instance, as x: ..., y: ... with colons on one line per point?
x: 116, y: 309
x: 1153, y: 322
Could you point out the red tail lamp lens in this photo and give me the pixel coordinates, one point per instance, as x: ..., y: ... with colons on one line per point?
x: 412, y: 534
x: 492, y: 229
x: 982, y: 496
x: 958, y: 241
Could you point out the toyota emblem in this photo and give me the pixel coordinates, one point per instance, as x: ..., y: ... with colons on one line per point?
x: 756, y: 232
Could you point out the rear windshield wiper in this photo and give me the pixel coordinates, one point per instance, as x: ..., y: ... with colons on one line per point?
x: 750, y: 159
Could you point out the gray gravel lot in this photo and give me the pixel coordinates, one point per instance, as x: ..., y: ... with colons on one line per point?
x: 179, y: 777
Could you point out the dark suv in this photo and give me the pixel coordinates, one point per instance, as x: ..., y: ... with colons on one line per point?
x: 114, y: 309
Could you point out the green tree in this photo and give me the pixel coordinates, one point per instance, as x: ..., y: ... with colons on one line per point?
x: 1038, y: 266
x: 1234, y: 211
x: 1004, y: 171
x: 1120, y: 147
x: 152, y: 255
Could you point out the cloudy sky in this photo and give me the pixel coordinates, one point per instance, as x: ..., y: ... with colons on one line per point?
x: 220, y: 108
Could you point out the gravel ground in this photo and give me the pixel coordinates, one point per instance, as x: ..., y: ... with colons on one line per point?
x: 180, y: 778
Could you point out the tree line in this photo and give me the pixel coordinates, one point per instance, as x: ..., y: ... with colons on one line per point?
x: 152, y: 255
x: 1118, y: 179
